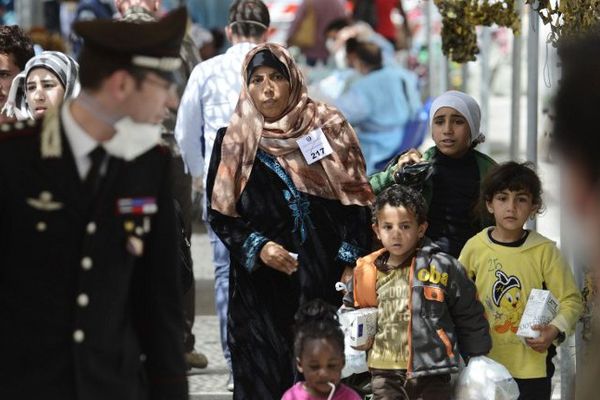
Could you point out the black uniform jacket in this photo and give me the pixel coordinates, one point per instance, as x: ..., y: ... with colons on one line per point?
x: 90, y: 293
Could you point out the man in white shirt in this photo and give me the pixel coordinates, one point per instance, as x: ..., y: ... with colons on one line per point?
x: 207, y: 104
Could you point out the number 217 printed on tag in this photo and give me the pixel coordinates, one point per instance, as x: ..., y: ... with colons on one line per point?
x: 314, y: 146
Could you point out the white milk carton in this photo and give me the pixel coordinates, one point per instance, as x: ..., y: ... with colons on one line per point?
x: 541, y: 309
x: 359, y: 325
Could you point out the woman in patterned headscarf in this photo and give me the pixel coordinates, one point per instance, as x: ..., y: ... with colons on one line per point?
x: 47, y: 80
x: 289, y: 197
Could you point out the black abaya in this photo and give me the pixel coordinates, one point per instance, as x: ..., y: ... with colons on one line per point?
x: 326, y: 235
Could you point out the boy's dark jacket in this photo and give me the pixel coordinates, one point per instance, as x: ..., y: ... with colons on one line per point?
x: 446, y: 315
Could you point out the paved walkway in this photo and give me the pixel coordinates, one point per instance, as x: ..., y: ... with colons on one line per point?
x: 209, y: 383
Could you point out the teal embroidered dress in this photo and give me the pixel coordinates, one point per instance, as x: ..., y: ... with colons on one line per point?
x: 326, y: 235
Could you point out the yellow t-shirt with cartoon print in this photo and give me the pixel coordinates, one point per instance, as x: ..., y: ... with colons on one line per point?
x: 504, y: 277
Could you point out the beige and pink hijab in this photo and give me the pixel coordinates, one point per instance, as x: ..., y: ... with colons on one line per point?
x: 339, y: 176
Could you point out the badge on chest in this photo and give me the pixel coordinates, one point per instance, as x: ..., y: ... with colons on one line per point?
x: 44, y: 202
x: 137, y: 214
x: 43, y: 209
x: 314, y: 146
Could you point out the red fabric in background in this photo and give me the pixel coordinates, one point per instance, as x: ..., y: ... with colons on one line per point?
x: 385, y: 26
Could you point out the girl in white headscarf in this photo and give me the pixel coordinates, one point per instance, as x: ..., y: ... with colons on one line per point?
x: 452, y: 181
x: 47, y: 80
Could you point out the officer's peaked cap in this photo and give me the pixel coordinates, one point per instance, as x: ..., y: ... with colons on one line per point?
x: 152, y: 45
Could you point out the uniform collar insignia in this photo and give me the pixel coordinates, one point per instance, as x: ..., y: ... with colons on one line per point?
x: 44, y: 202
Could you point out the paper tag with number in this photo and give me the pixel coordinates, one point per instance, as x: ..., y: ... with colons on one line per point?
x: 314, y: 146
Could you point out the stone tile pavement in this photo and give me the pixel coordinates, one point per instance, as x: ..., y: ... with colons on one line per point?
x: 209, y: 383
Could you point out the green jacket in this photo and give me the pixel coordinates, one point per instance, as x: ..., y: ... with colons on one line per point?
x: 384, y: 179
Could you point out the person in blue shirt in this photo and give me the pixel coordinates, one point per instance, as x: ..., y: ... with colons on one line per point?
x: 379, y: 103
x: 208, y: 13
x: 340, y: 30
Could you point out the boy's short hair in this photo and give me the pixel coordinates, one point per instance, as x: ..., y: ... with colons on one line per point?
x: 578, y: 100
x: 14, y: 41
x: 514, y: 177
x: 401, y: 196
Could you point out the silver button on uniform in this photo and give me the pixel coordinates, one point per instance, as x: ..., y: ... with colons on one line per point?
x: 78, y: 336
x: 41, y: 226
x: 86, y: 263
x: 91, y: 228
x: 45, y: 196
x: 83, y: 300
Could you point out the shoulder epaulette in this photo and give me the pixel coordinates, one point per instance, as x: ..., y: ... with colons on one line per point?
x: 19, y: 128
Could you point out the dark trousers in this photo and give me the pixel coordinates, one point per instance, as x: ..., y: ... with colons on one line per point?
x: 182, y: 192
x: 189, y: 308
x: 538, y: 388
x: 534, y: 389
x: 393, y: 385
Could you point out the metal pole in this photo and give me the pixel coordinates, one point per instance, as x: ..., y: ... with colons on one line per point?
x: 29, y: 13
x: 464, y: 74
x: 484, y: 89
x: 23, y: 13
x: 444, y: 73
x: 515, y: 114
x: 429, y: 87
x: 532, y: 89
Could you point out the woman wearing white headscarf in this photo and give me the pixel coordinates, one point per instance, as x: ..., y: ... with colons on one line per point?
x: 452, y: 183
x: 47, y: 80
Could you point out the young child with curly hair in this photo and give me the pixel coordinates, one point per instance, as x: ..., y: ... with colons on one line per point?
x: 319, y: 349
x: 428, y: 314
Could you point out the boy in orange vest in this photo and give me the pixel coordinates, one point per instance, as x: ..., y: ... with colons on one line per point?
x: 427, y: 306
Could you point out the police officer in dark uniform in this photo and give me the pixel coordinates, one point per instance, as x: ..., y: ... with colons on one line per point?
x: 182, y: 181
x: 88, y: 241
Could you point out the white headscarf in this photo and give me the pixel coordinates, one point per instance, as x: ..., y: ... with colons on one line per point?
x: 64, y: 67
x: 464, y: 104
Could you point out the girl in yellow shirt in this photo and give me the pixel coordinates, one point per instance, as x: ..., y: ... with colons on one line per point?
x: 506, y: 261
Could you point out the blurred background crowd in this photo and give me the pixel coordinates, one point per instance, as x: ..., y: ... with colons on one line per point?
x: 342, y: 60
